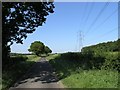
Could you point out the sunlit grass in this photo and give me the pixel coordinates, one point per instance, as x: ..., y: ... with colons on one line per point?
x: 33, y: 58
x: 52, y: 56
x: 92, y: 79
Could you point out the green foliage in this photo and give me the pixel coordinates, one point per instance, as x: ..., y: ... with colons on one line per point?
x: 78, y: 74
x: 20, y: 19
x: 39, y: 48
x: 95, y: 67
x: 5, y: 55
x: 17, y: 54
x: 92, y: 79
x: 111, y: 62
x: 47, y: 50
x: 36, y: 47
x: 103, y: 47
x: 84, y: 60
x: 52, y: 56
x: 19, y: 58
x: 107, y: 53
x: 16, y: 69
x: 81, y: 61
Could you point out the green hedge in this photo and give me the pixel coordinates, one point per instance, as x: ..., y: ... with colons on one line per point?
x: 93, y: 60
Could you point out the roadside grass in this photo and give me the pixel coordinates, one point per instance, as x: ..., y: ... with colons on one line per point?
x: 16, y: 69
x: 52, y: 56
x: 32, y: 58
x: 73, y: 75
x: 92, y: 79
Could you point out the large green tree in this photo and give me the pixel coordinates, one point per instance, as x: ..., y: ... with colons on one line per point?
x: 20, y: 19
x: 47, y: 50
x: 37, y: 47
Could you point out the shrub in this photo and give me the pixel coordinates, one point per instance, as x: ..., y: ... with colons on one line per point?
x: 19, y: 58
x: 111, y: 62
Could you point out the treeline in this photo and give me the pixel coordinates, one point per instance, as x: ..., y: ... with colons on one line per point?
x: 111, y: 46
x: 15, y: 54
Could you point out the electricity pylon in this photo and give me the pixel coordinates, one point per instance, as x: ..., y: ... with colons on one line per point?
x: 80, y: 40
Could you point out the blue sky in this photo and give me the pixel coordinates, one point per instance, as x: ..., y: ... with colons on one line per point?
x: 97, y: 22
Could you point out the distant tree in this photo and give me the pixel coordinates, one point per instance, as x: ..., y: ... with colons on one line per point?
x: 37, y: 47
x: 20, y: 19
x: 47, y: 50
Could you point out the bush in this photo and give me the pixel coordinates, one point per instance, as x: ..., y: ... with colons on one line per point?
x: 111, y: 62
x: 93, y: 60
x: 19, y: 58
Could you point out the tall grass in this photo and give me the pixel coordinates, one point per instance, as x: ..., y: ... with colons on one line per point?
x: 92, y: 79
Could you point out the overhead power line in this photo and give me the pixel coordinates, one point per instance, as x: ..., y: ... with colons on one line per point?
x: 102, y: 23
x: 99, y: 14
x: 105, y: 34
x: 83, y: 14
x: 90, y: 10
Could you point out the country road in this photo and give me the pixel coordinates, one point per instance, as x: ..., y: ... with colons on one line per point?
x: 41, y: 75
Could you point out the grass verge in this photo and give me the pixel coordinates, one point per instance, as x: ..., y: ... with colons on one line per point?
x: 92, y: 79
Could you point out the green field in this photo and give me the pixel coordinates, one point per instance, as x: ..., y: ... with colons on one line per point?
x: 16, y: 68
x: 73, y: 75
x: 33, y: 58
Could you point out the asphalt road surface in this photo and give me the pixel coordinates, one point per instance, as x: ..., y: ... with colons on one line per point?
x: 41, y: 75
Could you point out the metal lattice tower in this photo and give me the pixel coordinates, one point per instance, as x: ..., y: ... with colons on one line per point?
x: 80, y: 40
x: 79, y: 43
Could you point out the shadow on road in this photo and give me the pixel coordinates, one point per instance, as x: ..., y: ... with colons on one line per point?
x: 41, y: 72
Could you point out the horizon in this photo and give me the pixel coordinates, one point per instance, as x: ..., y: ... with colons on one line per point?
x: 61, y: 52
x: 74, y: 25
